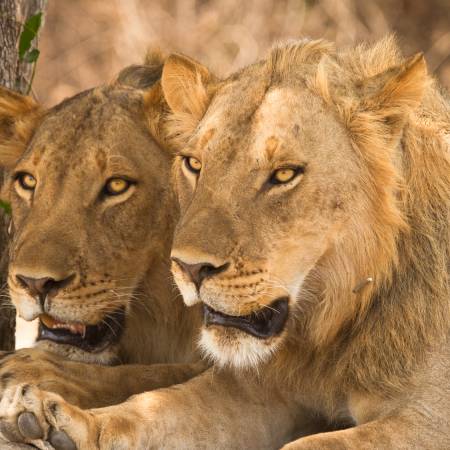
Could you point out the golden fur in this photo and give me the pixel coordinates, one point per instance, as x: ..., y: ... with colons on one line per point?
x: 358, y: 242
x: 116, y: 247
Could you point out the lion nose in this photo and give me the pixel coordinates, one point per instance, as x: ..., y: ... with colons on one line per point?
x: 199, y: 271
x: 41, y: 287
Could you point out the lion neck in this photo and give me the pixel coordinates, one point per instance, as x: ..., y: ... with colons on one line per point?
x: 160, y: 328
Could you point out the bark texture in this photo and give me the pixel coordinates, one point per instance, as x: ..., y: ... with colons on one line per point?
x: 16, y: 75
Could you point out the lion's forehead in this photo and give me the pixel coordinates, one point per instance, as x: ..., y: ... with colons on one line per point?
x: 286, y: 119
x: 89, y: 134
x: 102, y: 115
x: 276, y: 122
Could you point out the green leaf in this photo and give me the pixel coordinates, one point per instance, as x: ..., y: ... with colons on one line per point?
x: 34, y: 22
x: 29, y: 32
x: 32, y: 56
x: 6, y: 207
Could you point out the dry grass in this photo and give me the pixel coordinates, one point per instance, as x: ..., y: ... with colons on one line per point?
x: 85, y: 42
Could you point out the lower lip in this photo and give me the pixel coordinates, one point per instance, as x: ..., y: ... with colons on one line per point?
x: 263, y: 324
x: 96, y: 339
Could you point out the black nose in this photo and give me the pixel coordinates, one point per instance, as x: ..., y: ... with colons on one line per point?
x: 199, y: 271
x: 41, y: 287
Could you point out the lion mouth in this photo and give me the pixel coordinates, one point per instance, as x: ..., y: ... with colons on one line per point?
x: 90, y: 338
x: 264, y: 323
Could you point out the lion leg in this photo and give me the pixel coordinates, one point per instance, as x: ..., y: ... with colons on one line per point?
x: 417, y: 420
x: 365, y: 436
x: 29, y: 415
x: 408, y: 430
x: 43, y: 419
x: 213, y: 410
x: 89, y: 385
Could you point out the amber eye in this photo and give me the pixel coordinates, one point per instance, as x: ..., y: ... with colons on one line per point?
x: 284, y: 175
x: 26, y: 181
x: 117, y: 186
x: 193, y: 164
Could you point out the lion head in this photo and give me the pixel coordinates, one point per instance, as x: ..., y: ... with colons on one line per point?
x: 292, y: 184
x: 91, y: 210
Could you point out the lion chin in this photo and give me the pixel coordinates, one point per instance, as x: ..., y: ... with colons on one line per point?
x: 233, y: 348
x: 107, y: 356
x: 243, y: 341
x: 92, y: 343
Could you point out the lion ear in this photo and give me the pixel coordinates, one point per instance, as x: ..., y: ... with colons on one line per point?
x: 143, y: 76
x: 186, y: 87
x: 397, y: 91
x: 19, y: 117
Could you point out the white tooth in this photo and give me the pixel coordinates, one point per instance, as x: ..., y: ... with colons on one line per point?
x: 74, y: 328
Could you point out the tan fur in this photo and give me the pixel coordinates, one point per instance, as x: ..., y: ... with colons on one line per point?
x: 374, y: 341
x: 192, y: 84
x: 371, y: 131
x: 116, y: 248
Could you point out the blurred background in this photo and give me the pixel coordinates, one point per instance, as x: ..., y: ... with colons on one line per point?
x: 85, y: 42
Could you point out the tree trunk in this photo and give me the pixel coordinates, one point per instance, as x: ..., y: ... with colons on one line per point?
x: 16, y: 75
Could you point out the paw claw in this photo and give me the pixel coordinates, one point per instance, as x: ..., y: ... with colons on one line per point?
x: 60, y: 441
x: 29, y: 426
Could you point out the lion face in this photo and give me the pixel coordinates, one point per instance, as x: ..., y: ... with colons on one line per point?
x: 258, y: 213
x: 86, y: 197
x: 273, y: 192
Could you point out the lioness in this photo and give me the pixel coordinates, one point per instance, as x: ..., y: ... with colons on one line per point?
x: 314, y: 189
x: 92, y: 225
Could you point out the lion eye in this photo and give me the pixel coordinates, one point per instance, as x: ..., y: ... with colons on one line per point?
x: 117, y: 186
x: 284, y: 175
x: 26, y: 181
x: 193, y: 164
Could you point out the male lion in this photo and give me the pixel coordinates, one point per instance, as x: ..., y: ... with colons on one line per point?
x: 92, y: 225
x: 315, y: 199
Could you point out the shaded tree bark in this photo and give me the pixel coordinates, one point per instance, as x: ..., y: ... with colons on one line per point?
x: 16, y: 75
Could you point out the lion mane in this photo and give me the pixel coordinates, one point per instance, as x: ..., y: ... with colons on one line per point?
x: 380, y: 336
x: 397, y: 118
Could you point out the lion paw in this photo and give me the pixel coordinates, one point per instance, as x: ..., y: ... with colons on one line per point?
x: 29, y: 415
x: 32, y: 366
x: 50, y: 373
